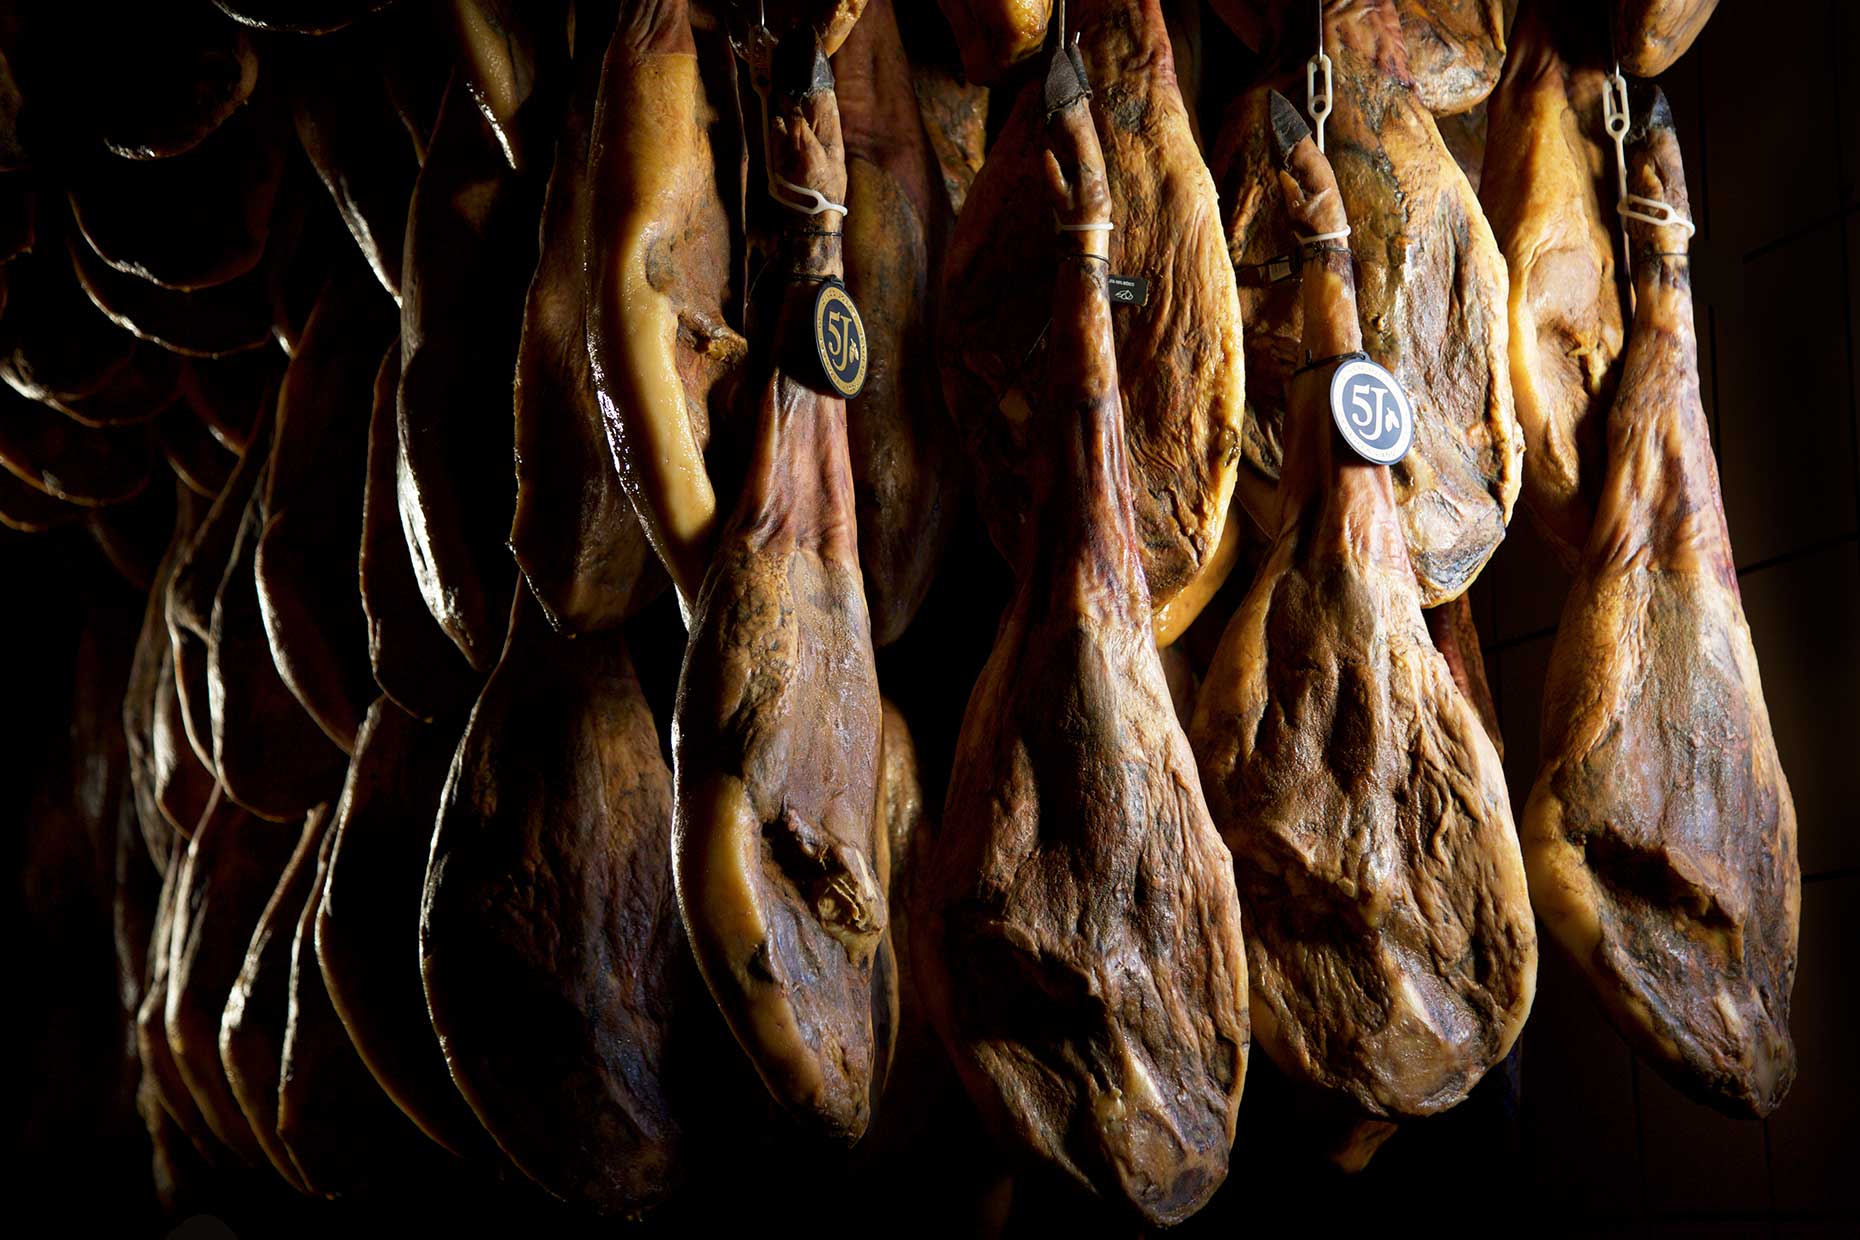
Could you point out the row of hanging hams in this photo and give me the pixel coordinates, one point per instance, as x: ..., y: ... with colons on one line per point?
x: 510, y: 365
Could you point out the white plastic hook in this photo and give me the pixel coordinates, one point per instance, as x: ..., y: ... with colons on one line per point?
x: 1653, y: 211
x: 1616, y: 121
x: 1318, y: 98
x: 757, y: 52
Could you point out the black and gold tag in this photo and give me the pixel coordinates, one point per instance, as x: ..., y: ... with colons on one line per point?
x: 839, y: 339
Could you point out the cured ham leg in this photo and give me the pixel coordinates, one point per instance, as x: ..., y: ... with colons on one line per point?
x: 230, y: 870
x: 1651, y: 34
x: 955, y: 116
x: 252, y: 1029
x: 1077, y: 934
x: 187, y: 600
x: 574, y: 534
x: 994, y: 34
x: 270, y: 755
x: 1178, y: 357
x: 1431, y: 297
x: 343, y: 1133
x: 1393, y: 957
x: 163, y: 1086
x: 776, y: 732
x: 1455, y: 49
x: 905, y: 474
x: 370, y: 907
x: 306, y: 566
x: 659, y: 275
x: 1660, y: 835
x: 1451, y: 627
x: 1546, y: 179
x: 413, y: 662
x: 469, y: 252
x: 554, y: 963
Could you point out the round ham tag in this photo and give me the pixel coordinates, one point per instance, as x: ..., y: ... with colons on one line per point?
x: 839, y: 339
x: 1371, y: 411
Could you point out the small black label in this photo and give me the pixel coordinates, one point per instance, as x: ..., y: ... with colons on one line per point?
x: 1129, y: 291
x: 839, y: 339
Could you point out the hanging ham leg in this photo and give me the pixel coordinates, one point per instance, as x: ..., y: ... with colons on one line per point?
x: 343, y: 1133
x: 554, y: 963
x: 659, y: 275
x: 231, y: 868
x: 994, y: 34
x: 1661, y: 834
x: 1178, y: 356
x: 1431, y: 295
x: 574, y: 533
x: 1388, y: 926
x: 377, y: 870
x: 777, y: 723
x: 1455, y: 49
x: 905, y: 474
x: 252, y: 1027
x: 163, y: 1086
x: 470, y: 249
x: 1450, y: 625
x: 1077, y: 936
x: 1651, y: 34
x: 1546, y: 178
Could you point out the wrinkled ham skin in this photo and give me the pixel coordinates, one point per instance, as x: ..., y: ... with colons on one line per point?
x: 776, y: 728
x: 1179, y: 357
x: 1389, y: 934
x: 994, y: 35
x: 1651, y: 34
x: 574, y: 533
x: 659, y: 274
x: 1431, y: 292
x: 905, y: 472
x: 1077, y: 936
x: 549, y: 893
x: 1455, y: 51
x: 1547, y: 187
x: 1661, y: 834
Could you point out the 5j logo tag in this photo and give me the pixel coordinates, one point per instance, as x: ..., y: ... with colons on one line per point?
x: 839, y: 339
x: 1371, y: 411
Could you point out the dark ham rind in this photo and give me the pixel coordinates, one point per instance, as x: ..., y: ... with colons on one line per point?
x: 1179, y: 357
x: 906, y: 475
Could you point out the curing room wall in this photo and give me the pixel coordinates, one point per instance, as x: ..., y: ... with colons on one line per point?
x: 1768, y: 104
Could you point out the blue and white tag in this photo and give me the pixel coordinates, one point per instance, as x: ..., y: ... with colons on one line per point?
x: 1371, y: 411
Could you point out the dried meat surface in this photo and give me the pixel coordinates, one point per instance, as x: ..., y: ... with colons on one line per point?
x: 1661, y: 835
x: 1431, y: 293
x: 1077, y: 937
x: 1548, y: 189
x: 906, y: 467
x: 1389, y: 935
x: 776, y: 731
x: 1179, y: 356
x: 660, y: 276
x: 554, y: 961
